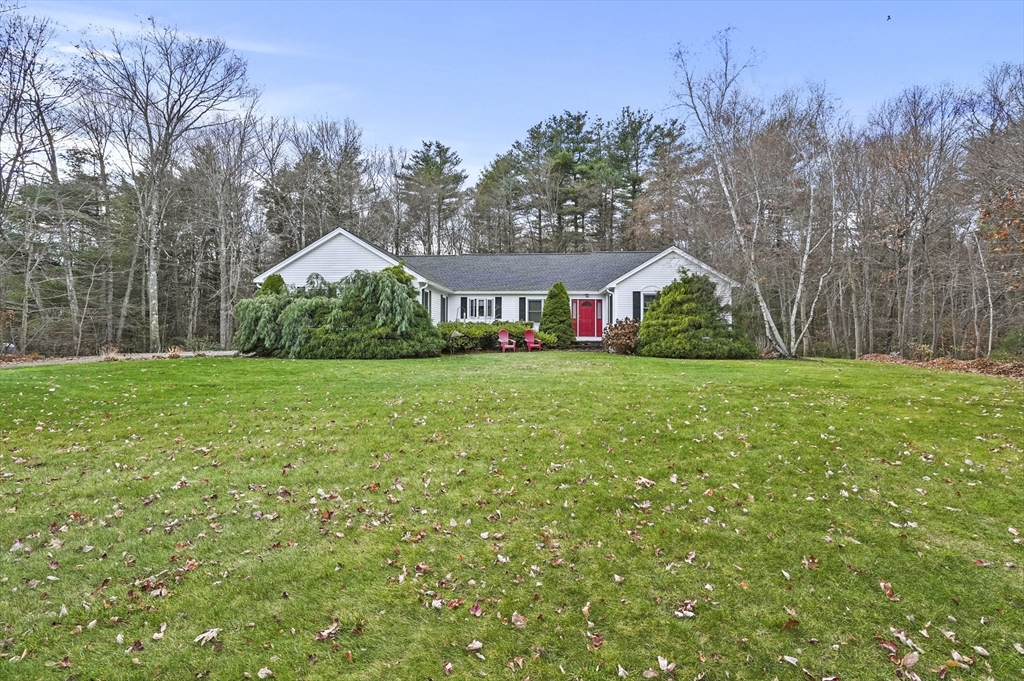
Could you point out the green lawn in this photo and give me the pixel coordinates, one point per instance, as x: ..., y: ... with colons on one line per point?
x: 734, y: 518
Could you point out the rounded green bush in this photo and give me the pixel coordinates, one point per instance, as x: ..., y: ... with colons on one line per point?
x: 686, y: 321
x: 272, y: 285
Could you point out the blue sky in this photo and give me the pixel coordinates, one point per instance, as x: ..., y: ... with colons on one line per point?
x: 477, y: 75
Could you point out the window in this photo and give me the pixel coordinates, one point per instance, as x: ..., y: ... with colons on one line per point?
x: 481, y: 308
x: 444, y: 308
x: 425, y: 298
x: 648, y: 299
x: 534, y: 309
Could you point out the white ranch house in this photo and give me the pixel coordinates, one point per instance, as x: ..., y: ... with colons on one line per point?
x: 487, y: 287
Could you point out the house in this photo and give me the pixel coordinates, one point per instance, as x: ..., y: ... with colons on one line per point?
x: 486, y: 287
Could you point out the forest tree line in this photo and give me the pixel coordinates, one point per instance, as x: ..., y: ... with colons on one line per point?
x: 142, y: 188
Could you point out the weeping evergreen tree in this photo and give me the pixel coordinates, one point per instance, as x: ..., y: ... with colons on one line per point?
x: 686, y: 321
x: 367, y: 315
x: 556, y: 318
x: 298, y: 321
x: 376, y: 317
x: 258, y: 329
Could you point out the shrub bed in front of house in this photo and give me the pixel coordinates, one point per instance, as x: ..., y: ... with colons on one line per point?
x: 367, y: 315
x: 484, y: 336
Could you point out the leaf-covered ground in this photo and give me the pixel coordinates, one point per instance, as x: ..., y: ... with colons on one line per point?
x: 552, y: 515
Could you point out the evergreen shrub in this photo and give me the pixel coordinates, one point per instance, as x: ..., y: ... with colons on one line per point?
x: 484, y: 335
x: 272, y: 285
x: 376, y: 317
x: 258, y: 331
x: 556, y: 319
x: 299, y: 319
x: 686, y: 321
x: 368, y: 315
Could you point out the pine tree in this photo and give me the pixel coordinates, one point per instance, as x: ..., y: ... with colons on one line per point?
x: 376, y: 317
x: 686, y: 321
x: 556, y: 318
x: 258, y: 329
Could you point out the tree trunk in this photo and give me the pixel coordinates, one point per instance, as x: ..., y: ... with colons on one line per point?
x: 153, y: 274
x: 128, y: 290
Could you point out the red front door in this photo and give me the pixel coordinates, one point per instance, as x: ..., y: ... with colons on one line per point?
x: 586, y: 322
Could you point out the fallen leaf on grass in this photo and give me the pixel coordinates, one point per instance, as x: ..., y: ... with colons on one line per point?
x: 810, y: 562
x: 1019, y: 648
x: 447, y: 668
x: 474, y: 645
x: 790, y: 659
x: 790, y: 624
x: 160, y: 634
x: 887, y: 589
x: 329, y: 632
x: 686, y: 609
x: 622, y: 672
x: 518, y: 621
x: 910, y: 659
x: 981, y: 651
x: 665, y: 665
x: 207, y: 636
x: 475, y: 610
x: 264, y: 673
x: 890, y: 646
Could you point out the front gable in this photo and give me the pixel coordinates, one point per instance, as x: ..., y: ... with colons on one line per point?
x: 648, y: 279
x: 664, y: 268
x: 334, y: 257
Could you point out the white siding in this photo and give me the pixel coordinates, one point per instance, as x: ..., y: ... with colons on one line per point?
x: 334, y: 259
x: 657, y: 276
x: 509, y: 306
x: 435, y: 303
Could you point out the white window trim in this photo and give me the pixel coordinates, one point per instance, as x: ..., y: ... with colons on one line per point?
x: 482, y: 305
x: 540, y: 312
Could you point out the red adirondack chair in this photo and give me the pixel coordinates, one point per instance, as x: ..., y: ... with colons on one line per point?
x: 531, y: 342
x: 504, y: 341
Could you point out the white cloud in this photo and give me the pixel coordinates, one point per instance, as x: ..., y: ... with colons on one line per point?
x: 98, y: 24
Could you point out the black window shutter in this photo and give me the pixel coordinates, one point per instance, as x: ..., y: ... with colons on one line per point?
x: 497, y: 307
x: 463, y: 305
x: 522, y: 308
x: 636, y: 305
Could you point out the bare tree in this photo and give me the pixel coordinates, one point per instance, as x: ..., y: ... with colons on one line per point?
x: 772, y: 163
x: 222, y: 179
x: 162, y: 85
x: 23, y: 41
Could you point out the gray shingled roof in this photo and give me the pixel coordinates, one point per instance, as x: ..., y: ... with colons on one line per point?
x: 512, y: 272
